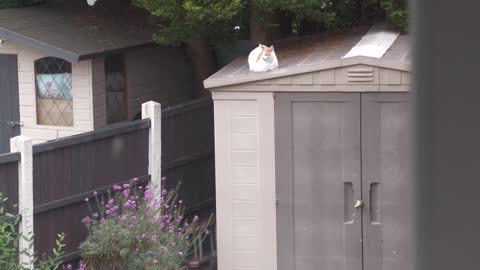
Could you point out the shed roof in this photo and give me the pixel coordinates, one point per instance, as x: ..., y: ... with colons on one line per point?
x: 72, y: 32
x: 324, y: 51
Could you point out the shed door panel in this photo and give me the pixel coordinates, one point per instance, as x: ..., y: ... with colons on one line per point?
x: 318, y: 180
x: 387, y: 182
x: 9, y: 108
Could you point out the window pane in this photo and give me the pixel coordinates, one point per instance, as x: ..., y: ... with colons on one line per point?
x: 53, y: 83
x: 115, y: 89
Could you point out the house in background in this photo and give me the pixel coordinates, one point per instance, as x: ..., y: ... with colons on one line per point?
x: 67, y: 68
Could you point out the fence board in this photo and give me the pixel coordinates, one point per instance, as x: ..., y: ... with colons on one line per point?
x: 9, y: 180
x: 68, y: 170
x: 188, y: 152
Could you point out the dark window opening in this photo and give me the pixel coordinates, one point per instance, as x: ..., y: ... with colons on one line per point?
x: 115, y: 89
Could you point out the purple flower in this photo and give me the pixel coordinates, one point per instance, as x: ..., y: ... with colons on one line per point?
x: 117, y: 187
x: 180, y: 253
x: 87, y: 199
x: 95, y: 215
x: 108, y: 212
x: 95, y: 193
x: 126, y: 193
x: 126, y: 185
x: 82, y: 266
x: 164, y: 192
x: 148, y: 195
x: 133, y: 218
x: 102, y: 220
x: 164, y: 178
x: 86, y: 220
x: 195, y: 218
x: 135, y: 180
x: 207, y: 232
x: 180, y: 202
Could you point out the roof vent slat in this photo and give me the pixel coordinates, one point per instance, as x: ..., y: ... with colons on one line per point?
x: 360, y: 75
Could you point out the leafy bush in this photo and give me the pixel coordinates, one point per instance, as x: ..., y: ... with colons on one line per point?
x: 138, y: 228
x: 9, y: 240
x: 397, y: 13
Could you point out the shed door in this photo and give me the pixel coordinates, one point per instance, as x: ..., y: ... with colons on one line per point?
x: 331, y: 151
x: 387, y: 179
x: 9, y: 111
x: 318, y: 180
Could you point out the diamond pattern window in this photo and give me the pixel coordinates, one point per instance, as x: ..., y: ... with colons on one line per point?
x: 53, y: 83
x: 115, y: 88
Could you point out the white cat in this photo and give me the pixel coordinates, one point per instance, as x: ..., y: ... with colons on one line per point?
x: 262, y: 58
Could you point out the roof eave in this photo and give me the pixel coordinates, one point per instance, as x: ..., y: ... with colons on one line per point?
x: 115, y: 51
x: 277, y: 73
x: 47, y: 49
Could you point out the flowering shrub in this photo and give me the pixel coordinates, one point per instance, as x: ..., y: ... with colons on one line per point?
x: 136, y: 227
x: 9, y: 239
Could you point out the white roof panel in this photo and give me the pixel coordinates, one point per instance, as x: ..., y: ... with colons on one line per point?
x: 374, y: 44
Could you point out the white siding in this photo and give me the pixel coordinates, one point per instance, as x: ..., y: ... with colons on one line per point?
x: 82, y: 96
x: 245, y: 181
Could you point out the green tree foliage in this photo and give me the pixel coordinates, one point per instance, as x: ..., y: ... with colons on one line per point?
x: 311, y: 9
x: 215, y: 19
x: 181, y: 19
x: 397, y: 13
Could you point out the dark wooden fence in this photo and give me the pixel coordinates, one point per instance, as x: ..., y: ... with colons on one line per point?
x: 9, y: 179
x: 188, y: 153
x: 68, y: 170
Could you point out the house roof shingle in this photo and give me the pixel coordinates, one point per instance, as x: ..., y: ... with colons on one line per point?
x: 73, y: 32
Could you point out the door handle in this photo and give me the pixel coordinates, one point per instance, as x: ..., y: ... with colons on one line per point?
x: 12, y: 124
x: 358, y: 204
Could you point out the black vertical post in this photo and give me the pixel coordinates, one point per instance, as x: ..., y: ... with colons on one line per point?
x: 447, y: 84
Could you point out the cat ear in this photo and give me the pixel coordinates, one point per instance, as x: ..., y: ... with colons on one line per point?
x: 263, y: 46
x: 271, y: 47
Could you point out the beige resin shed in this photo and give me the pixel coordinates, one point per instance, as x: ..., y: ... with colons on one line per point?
x: 313, y: 158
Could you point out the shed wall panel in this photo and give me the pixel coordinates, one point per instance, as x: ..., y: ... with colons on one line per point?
x: 82, y: 95
x: 245, y: 182
x: 390, y: 76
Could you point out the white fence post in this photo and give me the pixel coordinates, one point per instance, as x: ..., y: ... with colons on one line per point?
x: 153, y: 110
x: 23, y: 145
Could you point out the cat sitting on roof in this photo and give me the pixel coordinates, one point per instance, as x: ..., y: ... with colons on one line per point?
x: 262, y: 58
